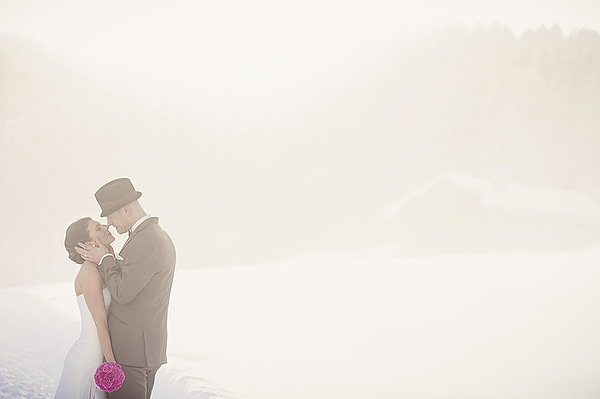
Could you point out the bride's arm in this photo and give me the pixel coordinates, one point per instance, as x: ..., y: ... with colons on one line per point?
x: 92, y: 293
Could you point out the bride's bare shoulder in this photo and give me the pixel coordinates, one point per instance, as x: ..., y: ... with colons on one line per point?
x: 88, y: 273
x: 87, y: 276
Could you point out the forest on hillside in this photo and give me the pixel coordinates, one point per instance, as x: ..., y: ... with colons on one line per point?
x: 296, y: 173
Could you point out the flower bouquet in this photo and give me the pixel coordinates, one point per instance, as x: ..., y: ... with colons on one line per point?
x: 109, y: 376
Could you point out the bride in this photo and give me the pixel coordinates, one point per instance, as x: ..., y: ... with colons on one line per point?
x: 93, y: 299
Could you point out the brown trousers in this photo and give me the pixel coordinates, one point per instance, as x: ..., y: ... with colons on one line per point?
x: 138, y: 384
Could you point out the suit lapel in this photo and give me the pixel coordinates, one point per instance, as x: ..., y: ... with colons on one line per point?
x: 141, y: 227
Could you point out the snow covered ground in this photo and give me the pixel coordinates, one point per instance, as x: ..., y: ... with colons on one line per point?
x: 344, y: 326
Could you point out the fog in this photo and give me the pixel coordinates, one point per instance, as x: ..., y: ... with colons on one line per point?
x: 259, y: 131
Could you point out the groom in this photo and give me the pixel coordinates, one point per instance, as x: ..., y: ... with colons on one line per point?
x: 139, y: 281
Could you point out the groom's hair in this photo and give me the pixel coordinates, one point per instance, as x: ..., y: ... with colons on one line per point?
x: 77, y: 232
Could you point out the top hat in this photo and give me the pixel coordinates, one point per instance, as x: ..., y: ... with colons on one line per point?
x: 115, y: 194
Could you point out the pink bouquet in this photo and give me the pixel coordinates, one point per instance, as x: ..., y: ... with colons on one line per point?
x: 109, y: 376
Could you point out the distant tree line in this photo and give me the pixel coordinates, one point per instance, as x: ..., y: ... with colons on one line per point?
x: 304, y: 176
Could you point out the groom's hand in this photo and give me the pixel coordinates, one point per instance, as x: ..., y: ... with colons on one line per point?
x: 92, y: 253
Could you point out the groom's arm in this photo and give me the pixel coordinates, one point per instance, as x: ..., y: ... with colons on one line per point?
x: 94, y: 253
x: 126, y: 278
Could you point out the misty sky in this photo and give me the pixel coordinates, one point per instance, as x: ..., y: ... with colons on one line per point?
x: 291, y: 90
x: 255, y: 46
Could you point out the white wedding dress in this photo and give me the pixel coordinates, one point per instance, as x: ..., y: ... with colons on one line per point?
x: 77, y: 379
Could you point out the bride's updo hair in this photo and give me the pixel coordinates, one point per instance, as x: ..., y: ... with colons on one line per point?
x: 77, y: 232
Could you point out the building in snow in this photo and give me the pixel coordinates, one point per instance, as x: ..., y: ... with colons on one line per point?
x: 456, y: 213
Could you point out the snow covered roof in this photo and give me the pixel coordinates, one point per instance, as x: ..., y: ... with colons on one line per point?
x: 512, y: 197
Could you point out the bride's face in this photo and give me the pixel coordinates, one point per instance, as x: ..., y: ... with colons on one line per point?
x: 101, y: 232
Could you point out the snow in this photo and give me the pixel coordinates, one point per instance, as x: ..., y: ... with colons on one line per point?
x: 513, y: 197
x: 487, y: 326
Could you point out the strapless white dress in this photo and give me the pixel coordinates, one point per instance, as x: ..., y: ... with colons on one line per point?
x: 77, y: 379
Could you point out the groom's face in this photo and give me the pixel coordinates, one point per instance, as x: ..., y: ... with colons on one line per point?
x: 118, y: 220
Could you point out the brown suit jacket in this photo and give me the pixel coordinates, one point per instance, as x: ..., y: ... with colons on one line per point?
x: 140, y: 286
